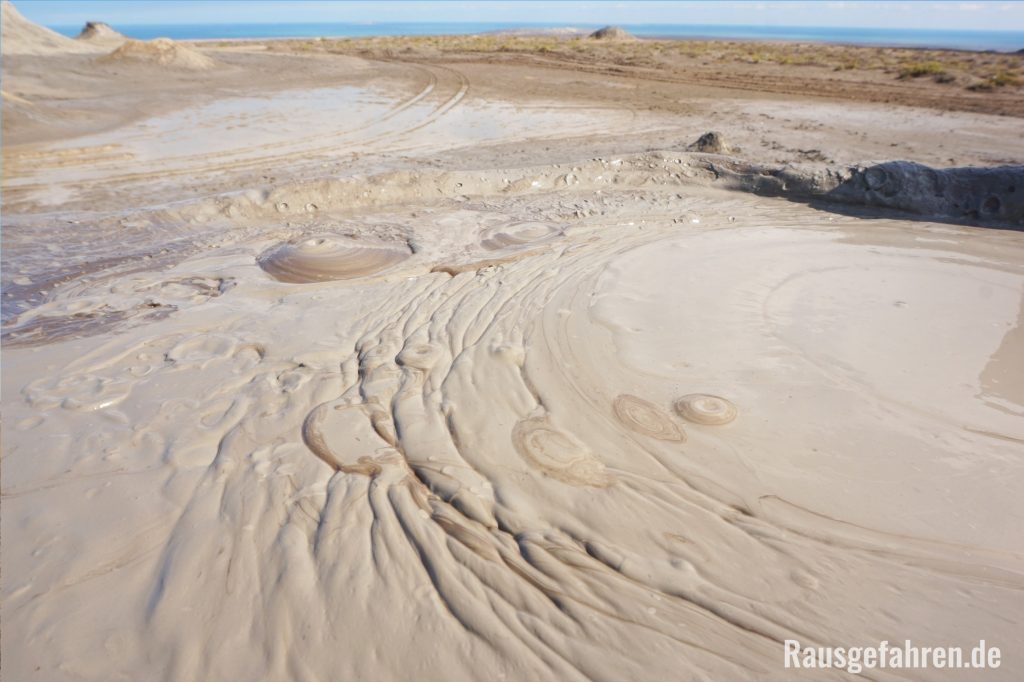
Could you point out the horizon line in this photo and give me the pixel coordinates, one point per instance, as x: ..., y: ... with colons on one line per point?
x: 540, y: 24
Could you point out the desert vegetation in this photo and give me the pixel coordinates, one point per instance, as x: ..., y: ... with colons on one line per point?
x: 973, y: 71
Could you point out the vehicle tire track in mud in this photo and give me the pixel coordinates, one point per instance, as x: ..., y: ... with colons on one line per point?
x: 76, y: 155
x: 217, y: 162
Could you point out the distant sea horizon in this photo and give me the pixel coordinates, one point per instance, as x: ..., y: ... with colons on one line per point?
x: 1003, y: 41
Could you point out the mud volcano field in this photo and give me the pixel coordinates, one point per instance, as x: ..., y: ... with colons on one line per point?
x: 319, y: 366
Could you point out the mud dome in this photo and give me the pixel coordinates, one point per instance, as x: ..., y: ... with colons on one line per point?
x: 329, y: 257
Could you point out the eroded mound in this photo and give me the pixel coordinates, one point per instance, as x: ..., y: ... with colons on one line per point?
x: 329, y: 257
x: 99, y: 32
x: 162, y: 52
x: 960, y: 193
x: 967, y: 195
x: 711, y: 142
x: 612, y: 33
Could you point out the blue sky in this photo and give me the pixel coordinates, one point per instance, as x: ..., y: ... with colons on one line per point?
x: 925, y: 14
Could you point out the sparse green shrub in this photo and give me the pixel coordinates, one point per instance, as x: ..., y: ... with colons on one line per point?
x: 1004, y: 78
x: 918, y: 69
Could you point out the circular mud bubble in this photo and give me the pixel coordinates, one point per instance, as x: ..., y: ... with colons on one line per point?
x: 558, y: 454
x: 701, y: 408
x: 324, y: 258
x: 518, y: 234
x: 643, y: 417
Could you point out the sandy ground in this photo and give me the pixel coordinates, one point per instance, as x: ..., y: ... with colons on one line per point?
x: 327, y: 366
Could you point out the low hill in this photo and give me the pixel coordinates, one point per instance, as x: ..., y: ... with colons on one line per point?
x: 97, y: 32
x: 161, y: 52
x: 21, y: 36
